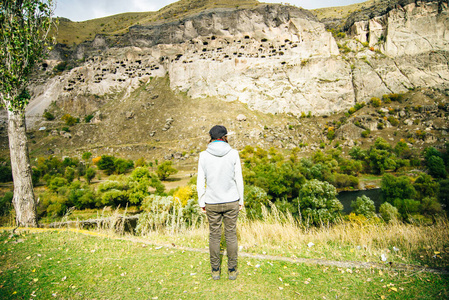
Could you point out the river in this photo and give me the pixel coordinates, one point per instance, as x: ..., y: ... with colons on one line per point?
x: 347, y: 197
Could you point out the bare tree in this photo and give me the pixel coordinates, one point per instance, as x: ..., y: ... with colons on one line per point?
x: 24, y: 41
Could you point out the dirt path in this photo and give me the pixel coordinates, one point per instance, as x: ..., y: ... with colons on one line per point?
x: 341, y: 264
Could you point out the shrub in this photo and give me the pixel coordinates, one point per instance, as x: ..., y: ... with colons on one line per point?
x: 397, y: 188
x: 90, y: 174
x: 114, y: 198
x: 88, y: 118
x: 366, y: 133
x: 122, y: 165
x: 60, y: 67
x: 95, y: 160
x: 396, y: 97
x: 5, y: 173
x: 435, y: 165
x: 157, y: 213
x: 183, y: 194
x: 255, y: 197
x: 430, y: 206
x: 86, y: 155
x: 393, y: 121
x: 363, y: 206
x: 56, y: 183
x: 380, y: 157
x: 330, y: 134
x: 52, y: 205
x: 344, y: 180
x: 35, y: 176
x: 359, y: 105
x: 112, y: 185
x: 140, y: 162
x: 386, y: 99
x: 69, y: 120
x: 81, y: 196
x: 318, y: 203
x: 192, y: 213
x: 139, y: 182
x: 165, y: 169
x: 161, y: 213
x: 48, y: 116
x: 407, y: 207
x: 106, y: 163
x: 6, y: 203
x: 69, y: 174
x: 402, y: 148
x: 375, y: 102
x: 425, y: 186
x: 388, y: 212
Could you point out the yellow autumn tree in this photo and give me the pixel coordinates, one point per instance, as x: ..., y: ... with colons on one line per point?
x: 182, y: 195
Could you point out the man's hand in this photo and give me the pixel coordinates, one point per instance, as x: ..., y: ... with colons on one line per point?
x: 203, y: 210
x: 240, y: 207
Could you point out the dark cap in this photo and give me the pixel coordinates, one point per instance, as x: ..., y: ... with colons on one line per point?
x: 217, y: 132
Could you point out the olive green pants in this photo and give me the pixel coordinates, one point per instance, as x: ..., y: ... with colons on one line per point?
x: 216, y: 214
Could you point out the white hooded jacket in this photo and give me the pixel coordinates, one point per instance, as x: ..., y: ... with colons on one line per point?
x: 220, y: 177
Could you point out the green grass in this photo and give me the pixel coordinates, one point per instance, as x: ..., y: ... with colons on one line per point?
x: 68, y: 265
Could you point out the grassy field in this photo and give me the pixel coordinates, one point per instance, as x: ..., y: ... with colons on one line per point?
x: 73, y: 264
x: 342, y: 12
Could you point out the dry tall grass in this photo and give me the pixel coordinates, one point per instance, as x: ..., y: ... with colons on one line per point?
x: 281, y: 234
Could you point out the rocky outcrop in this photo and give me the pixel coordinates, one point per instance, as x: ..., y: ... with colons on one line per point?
x: 274, y: 58
x: 413, y: 28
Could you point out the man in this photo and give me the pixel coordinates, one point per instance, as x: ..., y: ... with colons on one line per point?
x: 220, y: 196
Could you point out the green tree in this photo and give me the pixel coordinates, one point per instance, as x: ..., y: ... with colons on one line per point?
x: 388, y: 212
x: 24, y: 40
x: 138, y: 183
x: 396, y: 188
x: 425, y: 186
x: 318, y: 202
x: 364, y: 206
x: 69, y: 174
x: 90, y: 174
x: 381, y: 157
x: 69, y: 120
x: 106, y: 163
x: 435, y: 164
x: 86, y: 155
x: 56, y: 183
x: 165, y: 169
x: 255, y: 197
x: 122, y: 165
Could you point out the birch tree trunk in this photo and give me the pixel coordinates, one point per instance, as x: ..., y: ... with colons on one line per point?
x: 24, y: 201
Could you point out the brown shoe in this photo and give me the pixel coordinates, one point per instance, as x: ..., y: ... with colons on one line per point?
x: 232, y: 274
x: 215, y: 275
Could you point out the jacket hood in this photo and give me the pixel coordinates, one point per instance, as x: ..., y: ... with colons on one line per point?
x: 218, y: 148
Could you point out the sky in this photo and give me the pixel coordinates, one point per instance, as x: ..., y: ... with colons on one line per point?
x: 81, y: 10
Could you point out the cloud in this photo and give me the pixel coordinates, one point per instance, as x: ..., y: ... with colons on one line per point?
x: 82, y: 10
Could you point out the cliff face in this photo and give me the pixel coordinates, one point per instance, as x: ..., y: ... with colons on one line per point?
x: 274, y: 58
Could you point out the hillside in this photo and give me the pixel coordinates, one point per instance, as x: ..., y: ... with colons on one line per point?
x: 70, y: 33
x: 152, y: 84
